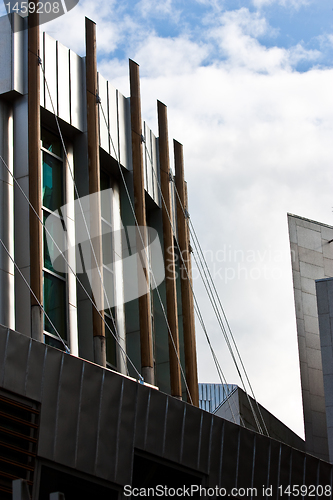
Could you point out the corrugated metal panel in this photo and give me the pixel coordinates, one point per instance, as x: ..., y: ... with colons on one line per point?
x: 6, y: 84
x: 216, y: 451
x: 113, y: 122
x: 261, y: 460
x: 17, y: 350
x: 145, y: 158
x: 156, y: 167
x: 35, y: 370
x: 63, y: 82
x: 19, y: 54
x: 77, y: 84
x: 109, y: 423
x: 191, y: 437
x: 126, y: 429
x: 151, y: 164
x: 156, y: 421
x: 174, y: 430
x: 125, y: 135
x: 90, y: 416
x: 67, y: 422
x: 274, y: 465
x: 12, y: 54
x: 50, y: 66
x: 41, y: 72
x: 229, y: 455
x: 103, y: 113
x: 245, y: 468
x: 86, y: 444
x: 49, y: 402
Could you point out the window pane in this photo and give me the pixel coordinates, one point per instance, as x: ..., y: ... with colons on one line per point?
x: 106, y: 197
x: 48, y: 340
x: 48, y: 243
x: 107, y: 245
x: 111, y: 357
x: 55, y: 305
x: 52, y: 182
x: 51, y: 142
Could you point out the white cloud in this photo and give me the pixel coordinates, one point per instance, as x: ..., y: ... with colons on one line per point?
x: 256, y: 146
x: 257, y: 143
x: 149, y: 8
x: 296, y: 4
x: 237, y: 36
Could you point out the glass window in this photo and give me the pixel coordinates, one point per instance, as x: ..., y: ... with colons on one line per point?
x: 49, y: 245
x: 55, y: 304
x: 54, y: 283
x: 52, y: 182
x: 51, y: 142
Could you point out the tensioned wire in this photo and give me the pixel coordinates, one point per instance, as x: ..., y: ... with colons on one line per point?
x: 215, y: 308
x: 197, y: 245
x: 146, y: 253
x: 226, y: 339
x: 136, y: 222
x: 213, y: 303
x: 94, y: 255
x: 198, y: 312
x: 71, y: 269
x: 196, y: 305
x: 116, y: 334
x: 34, y: 296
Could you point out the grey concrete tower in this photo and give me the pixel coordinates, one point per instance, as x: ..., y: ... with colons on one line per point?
x: 312, y: 259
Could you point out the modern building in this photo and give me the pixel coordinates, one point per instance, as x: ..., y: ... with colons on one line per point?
x: 98, y: 378
x: 76, y: 148
x: 212, y: 395
x: 312, y: 265
x: 241, y: 408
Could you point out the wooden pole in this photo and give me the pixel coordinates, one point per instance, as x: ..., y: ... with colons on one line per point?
x: 147, y: 360
x: 169, y: 255
x: 186, y: 278
x: 94, y: 187
x: 35, y: 175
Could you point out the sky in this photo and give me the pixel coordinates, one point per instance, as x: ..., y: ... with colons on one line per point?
x: 248, y: 86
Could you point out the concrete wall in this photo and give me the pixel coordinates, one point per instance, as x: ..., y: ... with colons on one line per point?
x: 324, y: 290
x: 312, y: 259
x: 239, y: 408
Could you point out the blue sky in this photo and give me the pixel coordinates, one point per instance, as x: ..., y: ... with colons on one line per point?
x: 290, y: 22
x: 248, y: 85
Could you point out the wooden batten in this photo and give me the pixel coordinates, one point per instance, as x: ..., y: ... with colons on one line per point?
x: 35, y: 175
x: 169, y: 255
x: 146, y: 341
x: 186, y: 278
x: 94, y: 187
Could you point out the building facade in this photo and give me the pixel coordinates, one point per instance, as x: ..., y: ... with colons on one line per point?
x: 312, y: 262
x: 100, y: 181
x: 98, y: 378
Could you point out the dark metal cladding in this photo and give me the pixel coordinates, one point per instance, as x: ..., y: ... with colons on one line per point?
x: 97, y: 422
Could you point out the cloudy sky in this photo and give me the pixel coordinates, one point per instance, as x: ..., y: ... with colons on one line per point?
x: 248, y: 85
